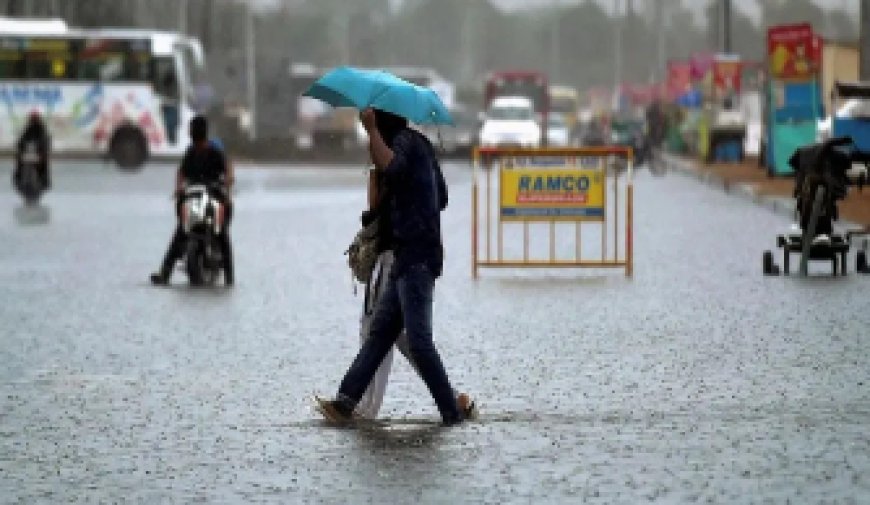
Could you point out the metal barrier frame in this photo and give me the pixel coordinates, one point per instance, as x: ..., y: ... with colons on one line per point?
x: 488, y: 153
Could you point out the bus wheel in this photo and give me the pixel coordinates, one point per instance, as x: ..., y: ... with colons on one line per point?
x: 128, y: 148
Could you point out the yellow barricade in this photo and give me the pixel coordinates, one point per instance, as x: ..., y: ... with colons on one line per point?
x: 590, y: 189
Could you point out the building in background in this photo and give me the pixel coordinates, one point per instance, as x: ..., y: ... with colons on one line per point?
x: 839, y: 63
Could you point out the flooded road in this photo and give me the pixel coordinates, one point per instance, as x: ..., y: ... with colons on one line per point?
x: 698, y: 380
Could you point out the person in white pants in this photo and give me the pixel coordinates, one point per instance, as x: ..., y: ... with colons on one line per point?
x: 371, y: 401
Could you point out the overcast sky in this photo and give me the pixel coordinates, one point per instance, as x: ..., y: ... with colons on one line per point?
x: 750, y: 7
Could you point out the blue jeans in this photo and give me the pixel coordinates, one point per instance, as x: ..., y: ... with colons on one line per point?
x: 406, y: 302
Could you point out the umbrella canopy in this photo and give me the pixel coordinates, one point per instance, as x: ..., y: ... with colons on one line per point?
x: 360, y: 88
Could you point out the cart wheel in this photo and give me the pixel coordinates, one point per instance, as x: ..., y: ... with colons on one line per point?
x: 768, y: 266
x: 861, y: 262
x: 810, y: 232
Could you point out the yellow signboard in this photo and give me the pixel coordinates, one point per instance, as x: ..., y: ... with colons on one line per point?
x: 553, y: 192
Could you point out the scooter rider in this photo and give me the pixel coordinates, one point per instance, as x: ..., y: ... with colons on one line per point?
x: 35, y: 132
x: 203, y: 163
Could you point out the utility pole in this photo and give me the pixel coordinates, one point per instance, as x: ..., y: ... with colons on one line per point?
x: 182, y: 16
x: 469, y: 53
x: 726, y: 26
x: 661, y: 62
x: 864, y: 42
x: 138, y: 10
x: 252, y: 74
x: 617, y: 67
x: 555, y: 42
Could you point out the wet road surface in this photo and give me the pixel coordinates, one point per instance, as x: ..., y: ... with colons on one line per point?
x: 698, y: 380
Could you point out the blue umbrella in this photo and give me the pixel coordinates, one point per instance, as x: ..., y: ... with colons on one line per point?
x: 353, y: 87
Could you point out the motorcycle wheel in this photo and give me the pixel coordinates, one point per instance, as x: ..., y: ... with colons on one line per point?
x: 195, y: 264
x: 28, y: 185
x: 210, y: 267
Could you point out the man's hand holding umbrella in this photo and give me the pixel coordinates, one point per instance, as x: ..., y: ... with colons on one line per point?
x: 380, y: 152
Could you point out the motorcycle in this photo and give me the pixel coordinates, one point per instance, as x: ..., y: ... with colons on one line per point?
x: 26, y: 179
x: 202, y: 221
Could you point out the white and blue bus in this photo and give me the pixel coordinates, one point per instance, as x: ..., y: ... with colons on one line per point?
x: 124, y: 93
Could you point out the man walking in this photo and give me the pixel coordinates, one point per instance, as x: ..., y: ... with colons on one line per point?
x: 417, y: 194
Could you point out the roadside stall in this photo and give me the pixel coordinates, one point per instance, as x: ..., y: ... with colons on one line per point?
x: 793, y: 93
x: 702, y: 82
x: 728, y: 122
x: 681, y: 96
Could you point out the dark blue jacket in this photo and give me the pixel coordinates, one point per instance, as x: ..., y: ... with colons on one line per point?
x: 204, y: 166
x: 416, y: 194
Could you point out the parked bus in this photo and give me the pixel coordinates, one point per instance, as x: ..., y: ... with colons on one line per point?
x: 125, y: 93
x: 530, y: 84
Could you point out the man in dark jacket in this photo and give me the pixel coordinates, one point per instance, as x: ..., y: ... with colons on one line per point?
x: 203, y: 163
x: 417, y: 194
x: 34, y: 133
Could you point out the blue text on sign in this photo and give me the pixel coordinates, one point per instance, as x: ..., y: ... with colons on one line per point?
x: 553, y: 183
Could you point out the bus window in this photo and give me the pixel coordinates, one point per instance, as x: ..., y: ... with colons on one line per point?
x: 49, y: 58
x: 167, y: 87
x: 164, y: 78
x: 11, y: 68
x: 112, y: 60
x: 59, y: 68
x: 137, y: 67
x: 47, y: 66
x: 37, y: 68
x: 105, y: 68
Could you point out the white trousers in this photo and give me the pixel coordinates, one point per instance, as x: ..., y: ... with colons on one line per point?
x: 371, y: 401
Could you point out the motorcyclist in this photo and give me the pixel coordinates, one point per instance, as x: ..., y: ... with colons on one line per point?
x: 203, y: 163
x: 34, y: 132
